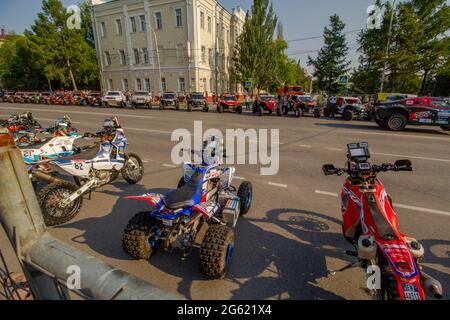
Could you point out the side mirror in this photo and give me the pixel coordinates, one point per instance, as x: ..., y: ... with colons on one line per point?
x: 403, y: 165
x: 329, y: 169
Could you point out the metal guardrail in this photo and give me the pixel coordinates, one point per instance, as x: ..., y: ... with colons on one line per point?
x: 45, y: 259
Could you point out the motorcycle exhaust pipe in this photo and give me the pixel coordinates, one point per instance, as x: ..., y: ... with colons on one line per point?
x: 39, y: 175
x: 433, y: 288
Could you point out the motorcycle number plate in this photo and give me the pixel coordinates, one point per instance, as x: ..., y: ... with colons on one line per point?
x: 411, y: 292
x: 167, y: 223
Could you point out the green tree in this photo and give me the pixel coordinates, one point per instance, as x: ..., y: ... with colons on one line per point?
x: 18, y: 69
x: 256, y: 54
x: 332, y: 58
x: 65, y: 54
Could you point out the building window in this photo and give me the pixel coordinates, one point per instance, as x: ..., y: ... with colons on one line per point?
x: 159, y: 23
x: 110, y: 84
x: 103, y: 29
x: 202, y: 20
x: 203, y: 54
x: 181, y: 85
x: 179, y: 17
x: 147, y: 84
x: 133, y: 24
x: 164, y: 84
x: 143, y: 23
x: 125, y: 85
x: 209, y: 23
x: 138, y: 85
x: 146, y: 57
x: 123, y: 58
x: 118, y: 27
x: 210, y: 56
x: 107, y: 58
x: 136, y: 56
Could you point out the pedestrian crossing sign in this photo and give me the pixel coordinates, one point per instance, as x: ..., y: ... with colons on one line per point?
x: 343, y: 79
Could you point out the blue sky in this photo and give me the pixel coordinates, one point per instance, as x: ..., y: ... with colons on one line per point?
x: 301, y: 19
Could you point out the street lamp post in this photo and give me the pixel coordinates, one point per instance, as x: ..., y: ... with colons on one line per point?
x: 388, y: 46
x: 157, y: 57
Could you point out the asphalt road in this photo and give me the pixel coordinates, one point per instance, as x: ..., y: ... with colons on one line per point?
x: 291, y: 238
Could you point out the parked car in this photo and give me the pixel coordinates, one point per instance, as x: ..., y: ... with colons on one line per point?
x: 229, y: 102
x: 8, y: 96
x: 266, y: 103
x: 348, y: 108
x: 197, y: 100
x: 94, y: 99
x: 396, y: 115
x: 309, y: 104
x: 141, y: 98
x: 114, y: 99
x: 169, y: 99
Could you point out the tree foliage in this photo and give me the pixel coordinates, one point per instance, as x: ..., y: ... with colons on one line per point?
x: 332, y: 58
x: 52, y: 53
x: 418, y: 51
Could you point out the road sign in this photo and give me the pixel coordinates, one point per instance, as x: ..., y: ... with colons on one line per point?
x: 343, y: 79
x: 249, y: 83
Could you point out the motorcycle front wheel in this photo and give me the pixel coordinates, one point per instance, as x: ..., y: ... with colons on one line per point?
x: 51, y: 200
x: 133, y: 170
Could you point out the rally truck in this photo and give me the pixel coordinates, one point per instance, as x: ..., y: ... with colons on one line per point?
x: 396, y: 115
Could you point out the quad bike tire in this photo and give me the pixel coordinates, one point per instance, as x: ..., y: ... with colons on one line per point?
x: 55, y: 190
x: 260, y: 111
x: 216, y: 252
x: 136, y: 238
x: 327, y: 112
x: 239, y: 110
x: 279, y: 112
x: 126, y: 176
x: 245, y: 194
x: 348, y: 115
x: 316, y: 113
x: 395, y: 121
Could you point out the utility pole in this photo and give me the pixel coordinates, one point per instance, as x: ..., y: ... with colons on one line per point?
x: 388, y: 47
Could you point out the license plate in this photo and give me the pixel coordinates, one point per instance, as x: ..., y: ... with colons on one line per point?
x: 167, y: 223
x: 411, y: 292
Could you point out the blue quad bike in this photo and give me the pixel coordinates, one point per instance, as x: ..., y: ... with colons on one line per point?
x: 201, y: 213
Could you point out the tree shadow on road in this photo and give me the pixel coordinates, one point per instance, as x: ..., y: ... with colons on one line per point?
x: 364, y: 125
x: 437, y: 256
x: 104, y: 234
x: 266, y: 264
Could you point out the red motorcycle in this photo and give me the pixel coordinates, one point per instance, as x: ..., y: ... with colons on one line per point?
x: 370, y: 224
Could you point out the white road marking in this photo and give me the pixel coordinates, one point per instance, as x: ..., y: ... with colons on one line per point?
x: 238, y: 178
x: 278, y: 185
x: 169, y: 165
x: 305, y: 146
x: 403, y: 135
x: 412, y: 157
x: 325, y: 193
x: 334, y: 149
x: 398, y: 205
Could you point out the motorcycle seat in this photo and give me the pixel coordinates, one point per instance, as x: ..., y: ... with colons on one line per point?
x: 89, y: 154
x: 184, y: 197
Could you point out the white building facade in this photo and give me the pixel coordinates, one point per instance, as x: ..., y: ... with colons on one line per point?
x: 166, y: 45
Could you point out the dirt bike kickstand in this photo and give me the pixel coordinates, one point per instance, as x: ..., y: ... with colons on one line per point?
x: 352, y: 265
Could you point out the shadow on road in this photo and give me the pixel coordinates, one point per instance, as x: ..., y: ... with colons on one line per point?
x: 364, y: 125
x: 104, y: 234
x: 268, y: 264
